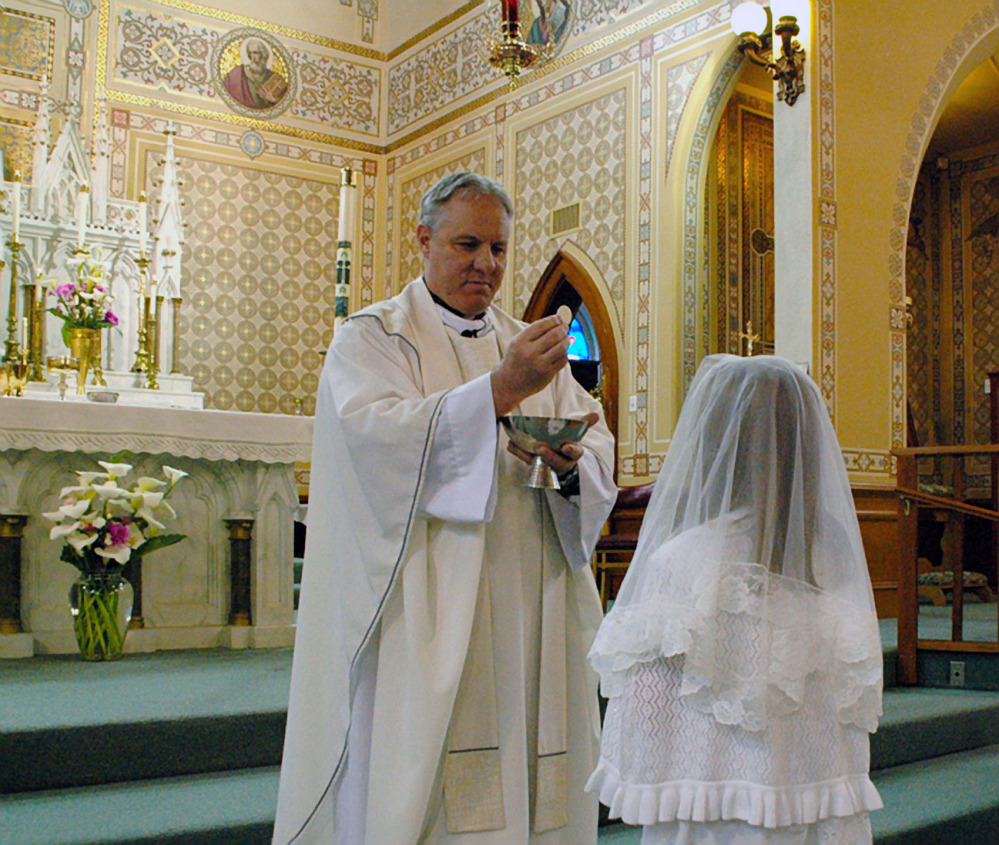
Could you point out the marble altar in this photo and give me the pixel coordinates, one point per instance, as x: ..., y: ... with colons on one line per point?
x: 241, y: 467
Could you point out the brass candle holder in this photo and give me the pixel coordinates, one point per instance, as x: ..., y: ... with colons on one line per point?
x: 34, y: 305
x: 153, y: 341
x: 12, y: 349
x: 141, y: 364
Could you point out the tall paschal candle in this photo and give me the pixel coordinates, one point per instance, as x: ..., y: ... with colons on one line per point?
x: 511, y: 10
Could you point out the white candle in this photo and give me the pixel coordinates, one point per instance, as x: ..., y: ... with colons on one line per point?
x: 81, y: 215
x: 346, y: 222
x: 15, y: 205
x: 143, y: 223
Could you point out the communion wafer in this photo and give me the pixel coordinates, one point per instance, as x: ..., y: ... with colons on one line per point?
x: 564, y: 314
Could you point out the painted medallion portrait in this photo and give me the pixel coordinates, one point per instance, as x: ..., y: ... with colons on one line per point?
x: 549, y: 26
x: 253, y: 73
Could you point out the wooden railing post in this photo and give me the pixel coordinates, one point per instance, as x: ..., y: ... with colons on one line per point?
x: 908, y: 598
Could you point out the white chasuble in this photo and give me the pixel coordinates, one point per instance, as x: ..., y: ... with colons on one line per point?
x: 398, y: 606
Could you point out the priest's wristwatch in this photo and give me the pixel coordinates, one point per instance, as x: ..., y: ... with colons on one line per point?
x: 569, y: 483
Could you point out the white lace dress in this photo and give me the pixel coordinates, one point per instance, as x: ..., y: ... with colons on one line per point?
x: 742, y: 717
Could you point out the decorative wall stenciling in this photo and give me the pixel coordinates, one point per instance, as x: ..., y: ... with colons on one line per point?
x: 449, y: 68
x: 15, y: 141
x: 259, y: 290
x: 922, y: 286
x: 253, y: 73
x: 167, y: 53
x: 679, y: 81
x: 188, y: 58
x: 337, y: 92
x: 27, y: 45
x: 575, y: 157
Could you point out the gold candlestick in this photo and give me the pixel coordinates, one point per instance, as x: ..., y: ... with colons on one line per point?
x: 141, y: 364
x: 152, y: 340
x: 34, y: 309
x: 12, y: 350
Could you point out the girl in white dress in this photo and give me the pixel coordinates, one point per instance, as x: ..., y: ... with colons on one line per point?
x: 741, y: 658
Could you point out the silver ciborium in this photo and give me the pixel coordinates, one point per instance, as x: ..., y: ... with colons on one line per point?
x: 529, y: 433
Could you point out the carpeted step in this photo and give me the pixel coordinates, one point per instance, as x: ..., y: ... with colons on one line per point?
x: 232, y: 808
x: 920, y: 724
x: 70, y: 723
x: 952, y: 800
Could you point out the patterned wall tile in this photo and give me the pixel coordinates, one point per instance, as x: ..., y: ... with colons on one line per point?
x: 578, y: 156
x: 258, y: 297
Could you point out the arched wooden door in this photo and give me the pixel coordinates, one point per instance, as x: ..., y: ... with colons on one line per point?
x: 564, y: 282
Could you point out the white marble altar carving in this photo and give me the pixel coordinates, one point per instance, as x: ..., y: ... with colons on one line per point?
x: 241, y: 466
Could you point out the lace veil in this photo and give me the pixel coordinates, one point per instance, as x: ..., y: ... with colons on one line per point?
x: 749, y: 561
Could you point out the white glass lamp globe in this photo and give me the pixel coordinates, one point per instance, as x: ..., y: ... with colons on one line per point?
x: 748, y: 17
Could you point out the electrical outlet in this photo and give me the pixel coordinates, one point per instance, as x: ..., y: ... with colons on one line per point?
x: 957, y: 673
x: 633, y: 403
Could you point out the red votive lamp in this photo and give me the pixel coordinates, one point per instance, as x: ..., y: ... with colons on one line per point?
x: 511, y: 10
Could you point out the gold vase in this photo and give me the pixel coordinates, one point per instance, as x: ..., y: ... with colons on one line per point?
x: 84, y: 345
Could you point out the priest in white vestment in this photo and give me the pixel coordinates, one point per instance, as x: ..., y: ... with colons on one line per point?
x: 440, y: 691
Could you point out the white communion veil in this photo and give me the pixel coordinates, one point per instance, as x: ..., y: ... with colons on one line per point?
x: 750, y: 567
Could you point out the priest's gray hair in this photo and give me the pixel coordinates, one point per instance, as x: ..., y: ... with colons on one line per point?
x: 466, y: 182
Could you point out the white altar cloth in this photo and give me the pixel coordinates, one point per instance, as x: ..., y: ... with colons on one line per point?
x: 241, y: 466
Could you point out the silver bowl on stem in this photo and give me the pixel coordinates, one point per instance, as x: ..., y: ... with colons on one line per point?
x: 530, y: 433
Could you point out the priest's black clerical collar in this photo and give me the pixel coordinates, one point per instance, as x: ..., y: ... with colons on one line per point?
x: 476, y: 326
x: 455, y: 311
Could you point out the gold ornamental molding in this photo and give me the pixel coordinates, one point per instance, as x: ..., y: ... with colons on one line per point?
x: 113, y: 95
x: 275, y: 29
x: 632, y: 30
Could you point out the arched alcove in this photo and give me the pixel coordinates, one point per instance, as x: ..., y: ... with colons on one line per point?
x: 566, y: 282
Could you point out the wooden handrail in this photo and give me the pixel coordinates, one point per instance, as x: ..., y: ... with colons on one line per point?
x: 942, y: 451
x: 948, y: 504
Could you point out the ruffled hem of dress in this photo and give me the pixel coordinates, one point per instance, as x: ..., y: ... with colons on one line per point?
x: 762, y: 806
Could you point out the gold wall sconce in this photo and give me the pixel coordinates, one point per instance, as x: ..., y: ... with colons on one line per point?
x: 751, y: 22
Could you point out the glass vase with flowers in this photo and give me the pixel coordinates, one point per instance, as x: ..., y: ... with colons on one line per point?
x: 104, y: 524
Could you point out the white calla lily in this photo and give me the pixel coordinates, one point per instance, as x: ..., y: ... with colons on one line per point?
x: 60, y: 531
x: 146, y: 483
x: 147, y: 516
x: 174, y: 475
x: 116, y: 470
x: 121, y: 553
x: 89, y: 478
x: 151, y: 500
x: 76, y: 509
x: 168, y: 508
x: 108, y: 490
x: 80, y: 541
x: 76, y: 492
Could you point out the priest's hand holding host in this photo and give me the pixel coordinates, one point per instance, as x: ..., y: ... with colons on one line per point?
x: 440, y: 691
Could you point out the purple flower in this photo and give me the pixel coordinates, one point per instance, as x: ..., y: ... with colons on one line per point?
x: 65, y: 290
x: 118, y: 533
x: 111, y: 318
